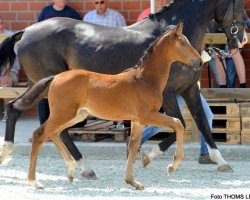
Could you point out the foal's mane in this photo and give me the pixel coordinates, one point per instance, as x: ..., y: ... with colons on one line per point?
x: 150, y: 49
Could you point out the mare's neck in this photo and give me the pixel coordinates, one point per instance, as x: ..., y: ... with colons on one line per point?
x: 156, y: 66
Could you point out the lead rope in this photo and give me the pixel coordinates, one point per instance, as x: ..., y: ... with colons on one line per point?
x: 221, y: 55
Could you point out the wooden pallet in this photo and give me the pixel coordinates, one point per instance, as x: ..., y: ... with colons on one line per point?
x: 96, y: 130
x: 226, y: 124
x: 219, y: 110
x: 245, y: 137
x: 245, y: 109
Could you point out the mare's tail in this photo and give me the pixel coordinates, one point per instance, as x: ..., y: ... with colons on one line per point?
x: 7, y: 53
x: 34, y: 94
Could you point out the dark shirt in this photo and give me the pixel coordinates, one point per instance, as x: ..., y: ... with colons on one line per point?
x: 49, y: 12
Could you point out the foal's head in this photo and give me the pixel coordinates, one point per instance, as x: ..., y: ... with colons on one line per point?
x: 179, y: 48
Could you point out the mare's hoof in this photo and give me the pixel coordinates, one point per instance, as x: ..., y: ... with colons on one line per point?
x: 145, y: 160
x: 90, y: 175
x: 171, y: 170
x: 225, y: 168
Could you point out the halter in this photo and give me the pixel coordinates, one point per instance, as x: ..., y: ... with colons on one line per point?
x: 233, y: 28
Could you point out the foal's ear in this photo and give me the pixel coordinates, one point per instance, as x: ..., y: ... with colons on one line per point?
x: 179, y: 28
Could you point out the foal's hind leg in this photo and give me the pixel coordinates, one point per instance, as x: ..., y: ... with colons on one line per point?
x: 37, y: 143
x: 48, y: 129
x: 133, y: 147
x: 158, y: 119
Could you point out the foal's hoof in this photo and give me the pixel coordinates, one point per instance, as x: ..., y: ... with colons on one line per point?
x: 171, y: 170
x: 139, y: 187
x: 70, y: 178
x: 36, y: 184
x: 145, y: 160
x: 225, y: 168
x: 2, y: 159
x: 90, y: 175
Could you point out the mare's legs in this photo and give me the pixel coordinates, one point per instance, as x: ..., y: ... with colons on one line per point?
x: 12, y: 116
x: 133, y: 147
x: 195, y: 106
x: 86, y: 171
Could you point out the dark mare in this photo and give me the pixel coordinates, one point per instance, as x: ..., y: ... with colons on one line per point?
x: 58, y: 44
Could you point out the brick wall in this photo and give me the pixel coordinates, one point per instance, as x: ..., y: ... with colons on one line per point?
x: 19, y: 14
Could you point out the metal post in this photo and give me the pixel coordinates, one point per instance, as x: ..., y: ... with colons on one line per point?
x: 152, y: 6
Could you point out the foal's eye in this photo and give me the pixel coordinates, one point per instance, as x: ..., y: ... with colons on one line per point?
x: 182, y: 43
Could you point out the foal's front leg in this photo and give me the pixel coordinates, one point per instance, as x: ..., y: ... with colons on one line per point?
x: 161, y: 120
x: 133, y: 147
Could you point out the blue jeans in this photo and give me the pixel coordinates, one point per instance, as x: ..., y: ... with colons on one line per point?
x: 150, y: 131
x: 230, y: 70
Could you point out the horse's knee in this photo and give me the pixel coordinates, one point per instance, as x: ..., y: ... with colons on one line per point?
x: 178, y: 125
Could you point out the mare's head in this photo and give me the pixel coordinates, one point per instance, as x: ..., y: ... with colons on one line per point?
x: 230, y: 16
x: 180, y: 49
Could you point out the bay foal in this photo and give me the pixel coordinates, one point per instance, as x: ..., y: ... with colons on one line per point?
x: 134, y: 95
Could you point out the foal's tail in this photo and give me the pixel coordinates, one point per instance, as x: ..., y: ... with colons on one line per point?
x: 34, y: 94
x: 7, y: 53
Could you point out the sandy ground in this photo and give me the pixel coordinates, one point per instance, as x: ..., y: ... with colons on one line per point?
x: 191, y: 181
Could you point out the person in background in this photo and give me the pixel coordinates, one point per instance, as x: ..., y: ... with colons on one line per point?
x: 225, y: 78
x: 9, y: 79
x: 105, y: 16
x: 150, y: 131
x: 57, y: 9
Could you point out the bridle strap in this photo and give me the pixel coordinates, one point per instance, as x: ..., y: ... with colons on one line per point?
x: 234, y: 26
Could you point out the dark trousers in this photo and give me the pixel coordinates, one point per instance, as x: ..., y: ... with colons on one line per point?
x: 43, y: 110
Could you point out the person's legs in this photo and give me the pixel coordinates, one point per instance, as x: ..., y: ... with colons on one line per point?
x: 149, y: 132
x: 212, y: 66
x: 239, y: 66
x: 204, y: 157
x: 231, y: 73
x: 221, y: 72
